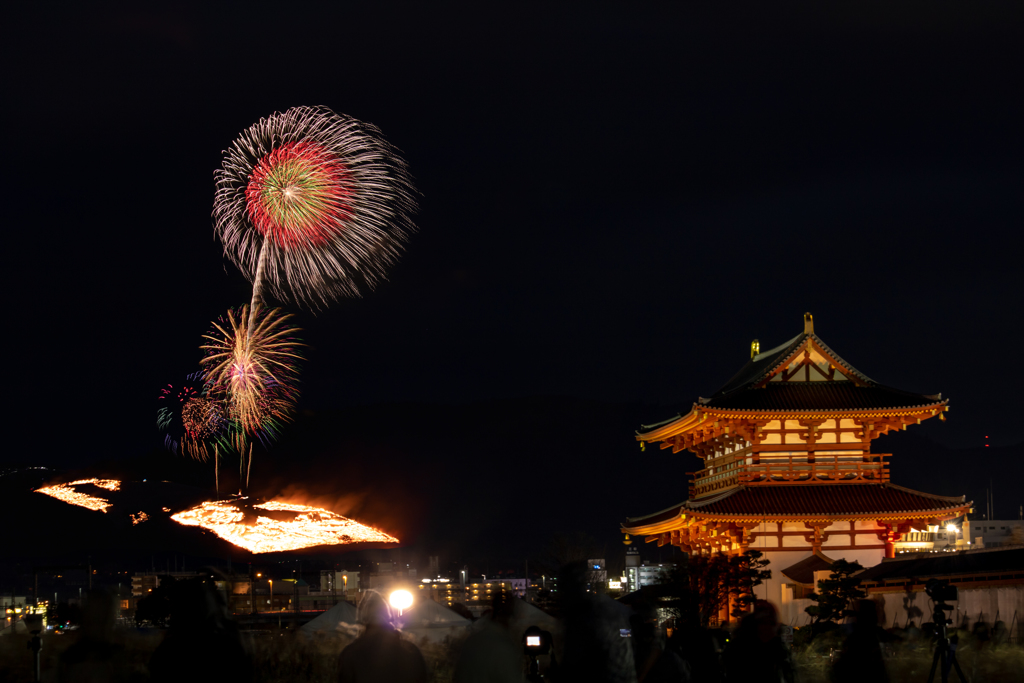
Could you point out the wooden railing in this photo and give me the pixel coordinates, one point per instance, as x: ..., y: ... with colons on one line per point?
x: 774, y: 470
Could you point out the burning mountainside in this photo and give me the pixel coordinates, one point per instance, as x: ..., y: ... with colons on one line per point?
x: 68, y: 494
x: 259, y: 527
x: 290, y: 526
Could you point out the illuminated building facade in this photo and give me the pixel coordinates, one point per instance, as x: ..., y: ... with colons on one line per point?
x: 640, y: 573
x: 476, y: 596
x: 788, y: 468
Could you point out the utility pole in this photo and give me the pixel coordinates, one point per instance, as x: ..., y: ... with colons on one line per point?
x: 295, y: 597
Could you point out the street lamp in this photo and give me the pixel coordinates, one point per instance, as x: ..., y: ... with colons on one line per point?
x: 400, y: 600
x: 271, y: 581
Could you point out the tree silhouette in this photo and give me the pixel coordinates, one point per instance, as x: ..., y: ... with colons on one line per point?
x: 835, y: 594
x: 699, y: 589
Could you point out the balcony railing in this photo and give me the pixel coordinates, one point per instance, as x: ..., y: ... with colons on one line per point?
x: 791, y: 469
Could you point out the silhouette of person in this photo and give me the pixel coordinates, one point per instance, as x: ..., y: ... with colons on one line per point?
x: 654, y: 662
x: 756, y: 653
x: 490, y: 655
x: 699, y: 649
x: 595, y: 651
x: 861, y: 657
x: 202, y: 643
x: 96, y: 655
x: 379, y: 655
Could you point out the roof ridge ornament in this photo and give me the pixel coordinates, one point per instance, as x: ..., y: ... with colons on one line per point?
x: 755, y: 348
x: 808, y: 323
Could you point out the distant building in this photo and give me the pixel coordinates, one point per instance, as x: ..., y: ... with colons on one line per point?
x: 632, y: 570
x: 476, y: 596
x: 343, y: 583
x: 947, y: 537
x: 640, y: 573
x: 144, y: 583
x: 597, y: 573
x: 651, y: 574
x: 517, y: 586
x: 384, y: 574
x: 994, y: 533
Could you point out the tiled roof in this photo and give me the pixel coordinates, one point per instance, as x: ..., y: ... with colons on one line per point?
x: 803, y: 571
x: 945, y: 564
x: 829, y: 499
x: 758, y: 366
x: 859, y: 393
x: 819, y: 396
x: 833, y: 500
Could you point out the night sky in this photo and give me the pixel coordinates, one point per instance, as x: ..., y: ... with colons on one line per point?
x: 614, y: 204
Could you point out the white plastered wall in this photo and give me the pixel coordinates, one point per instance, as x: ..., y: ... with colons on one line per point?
x: 792, y: 611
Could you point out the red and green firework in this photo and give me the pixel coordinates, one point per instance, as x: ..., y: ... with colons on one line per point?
x: 313, y: 205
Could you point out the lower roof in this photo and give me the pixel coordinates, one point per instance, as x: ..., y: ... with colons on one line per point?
x: 945, y: 564
x: 806, y: 501
x: 803, y: 571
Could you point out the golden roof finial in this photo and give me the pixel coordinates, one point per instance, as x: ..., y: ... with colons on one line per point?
x: 755, y: 348
x: 808, y: 323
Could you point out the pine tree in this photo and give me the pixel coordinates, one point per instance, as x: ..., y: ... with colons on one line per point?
x: 835, y: 594
x: 748, y: 571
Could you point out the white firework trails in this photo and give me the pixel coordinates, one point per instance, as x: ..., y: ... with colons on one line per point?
x: 313, y: 205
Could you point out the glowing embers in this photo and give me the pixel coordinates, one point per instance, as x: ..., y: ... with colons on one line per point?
x: 138, y: 518
x: 68, y: 494
x: 291, y: 526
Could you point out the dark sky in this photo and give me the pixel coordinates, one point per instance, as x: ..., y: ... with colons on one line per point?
x: 615, y: 203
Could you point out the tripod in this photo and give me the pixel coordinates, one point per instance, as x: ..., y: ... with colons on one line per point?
x: 945, y: 651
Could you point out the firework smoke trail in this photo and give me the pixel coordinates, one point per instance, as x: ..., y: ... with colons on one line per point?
x: 253, y: 369
x: 312, y: 205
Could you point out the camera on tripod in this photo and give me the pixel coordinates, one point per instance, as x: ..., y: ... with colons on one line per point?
x: 941, y: 590
x: 536, y: 642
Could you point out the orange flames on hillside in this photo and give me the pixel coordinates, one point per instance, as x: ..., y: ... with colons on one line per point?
x: 68, y: 494
x: 284, y: 527
x: 310, y: 526
x: 138, y: 518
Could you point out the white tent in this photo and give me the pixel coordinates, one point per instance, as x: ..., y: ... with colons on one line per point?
x: 525, y: 615
x: 432, y: 621
x: 342, y: 615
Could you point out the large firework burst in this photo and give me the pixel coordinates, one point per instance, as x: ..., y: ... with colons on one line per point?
x: 251, y: 362
x: 314, y: 204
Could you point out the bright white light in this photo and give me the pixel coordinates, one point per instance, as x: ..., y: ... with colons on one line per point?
x: 400, y: 600
x: 951, y: 528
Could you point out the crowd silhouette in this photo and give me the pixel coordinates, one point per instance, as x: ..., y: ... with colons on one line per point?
x: 596, y: 640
